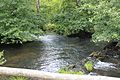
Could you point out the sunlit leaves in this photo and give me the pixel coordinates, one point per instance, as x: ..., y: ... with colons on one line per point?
x: 100, y: 17
x: 18, y: 21
x: 107, y: 22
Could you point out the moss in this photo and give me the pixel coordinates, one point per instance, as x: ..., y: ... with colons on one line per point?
x: 66, y: 71
x: 89, y: 66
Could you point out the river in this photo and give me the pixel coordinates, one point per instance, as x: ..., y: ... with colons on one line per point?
x: 53, y: 52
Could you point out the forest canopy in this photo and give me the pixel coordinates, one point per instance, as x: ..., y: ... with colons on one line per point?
x: 20, y: 22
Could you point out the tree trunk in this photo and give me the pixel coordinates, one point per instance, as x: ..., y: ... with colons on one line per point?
x: 77, y: 2
x: 38, y: 5
x: 41, y: 75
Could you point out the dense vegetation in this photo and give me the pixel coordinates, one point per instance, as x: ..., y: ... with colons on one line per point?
x: 100, y: 17
x: 19, y: 21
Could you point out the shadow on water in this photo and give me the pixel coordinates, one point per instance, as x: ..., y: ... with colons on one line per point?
x: 51, y: 53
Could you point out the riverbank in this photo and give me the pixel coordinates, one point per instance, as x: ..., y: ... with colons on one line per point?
x: 40, y: 75
x: 51, y: 53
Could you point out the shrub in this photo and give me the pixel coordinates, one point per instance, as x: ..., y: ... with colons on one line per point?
x: 18, y: 21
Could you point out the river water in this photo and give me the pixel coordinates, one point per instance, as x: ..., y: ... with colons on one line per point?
x: 51, y: 53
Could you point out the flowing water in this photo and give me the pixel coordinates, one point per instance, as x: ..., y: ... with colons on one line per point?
x: 53, y: 52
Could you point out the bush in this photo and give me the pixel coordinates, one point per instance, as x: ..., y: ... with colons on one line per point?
x: 18, y: 21
x: 74, y: 18
x: 107, y: 21
x: 100, y: 17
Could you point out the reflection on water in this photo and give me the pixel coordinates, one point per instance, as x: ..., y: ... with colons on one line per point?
x: 49, y: 54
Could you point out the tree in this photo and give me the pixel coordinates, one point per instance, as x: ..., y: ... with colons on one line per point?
x: 38, y: 5
x: 77, y: 2
x: 107, y: 21
x: 100, y: 17
x: 18, y: 21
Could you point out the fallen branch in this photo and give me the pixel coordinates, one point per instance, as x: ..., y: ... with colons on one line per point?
x: 49, y: 76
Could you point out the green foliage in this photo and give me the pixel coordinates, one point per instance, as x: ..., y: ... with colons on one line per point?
x: 18, y: 21
x: 89, y: 66
x: 66, y: 71
x: 107, y: 21
x: 100, y: 17
x: 2, y: 59
x: 73, y: 19
x: 49, y: 8
x: 18, y: 78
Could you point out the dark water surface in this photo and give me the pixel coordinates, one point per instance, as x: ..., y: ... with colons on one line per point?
x: 51, y: 53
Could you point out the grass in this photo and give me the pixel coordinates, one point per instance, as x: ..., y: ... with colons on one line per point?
x: 18, y: 78
x: 4, y: 77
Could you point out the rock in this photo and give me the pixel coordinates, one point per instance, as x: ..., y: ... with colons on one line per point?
x: 71, y: 66
x: 93, y: 74
x: 98, y: 55
x: 111, y: 45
